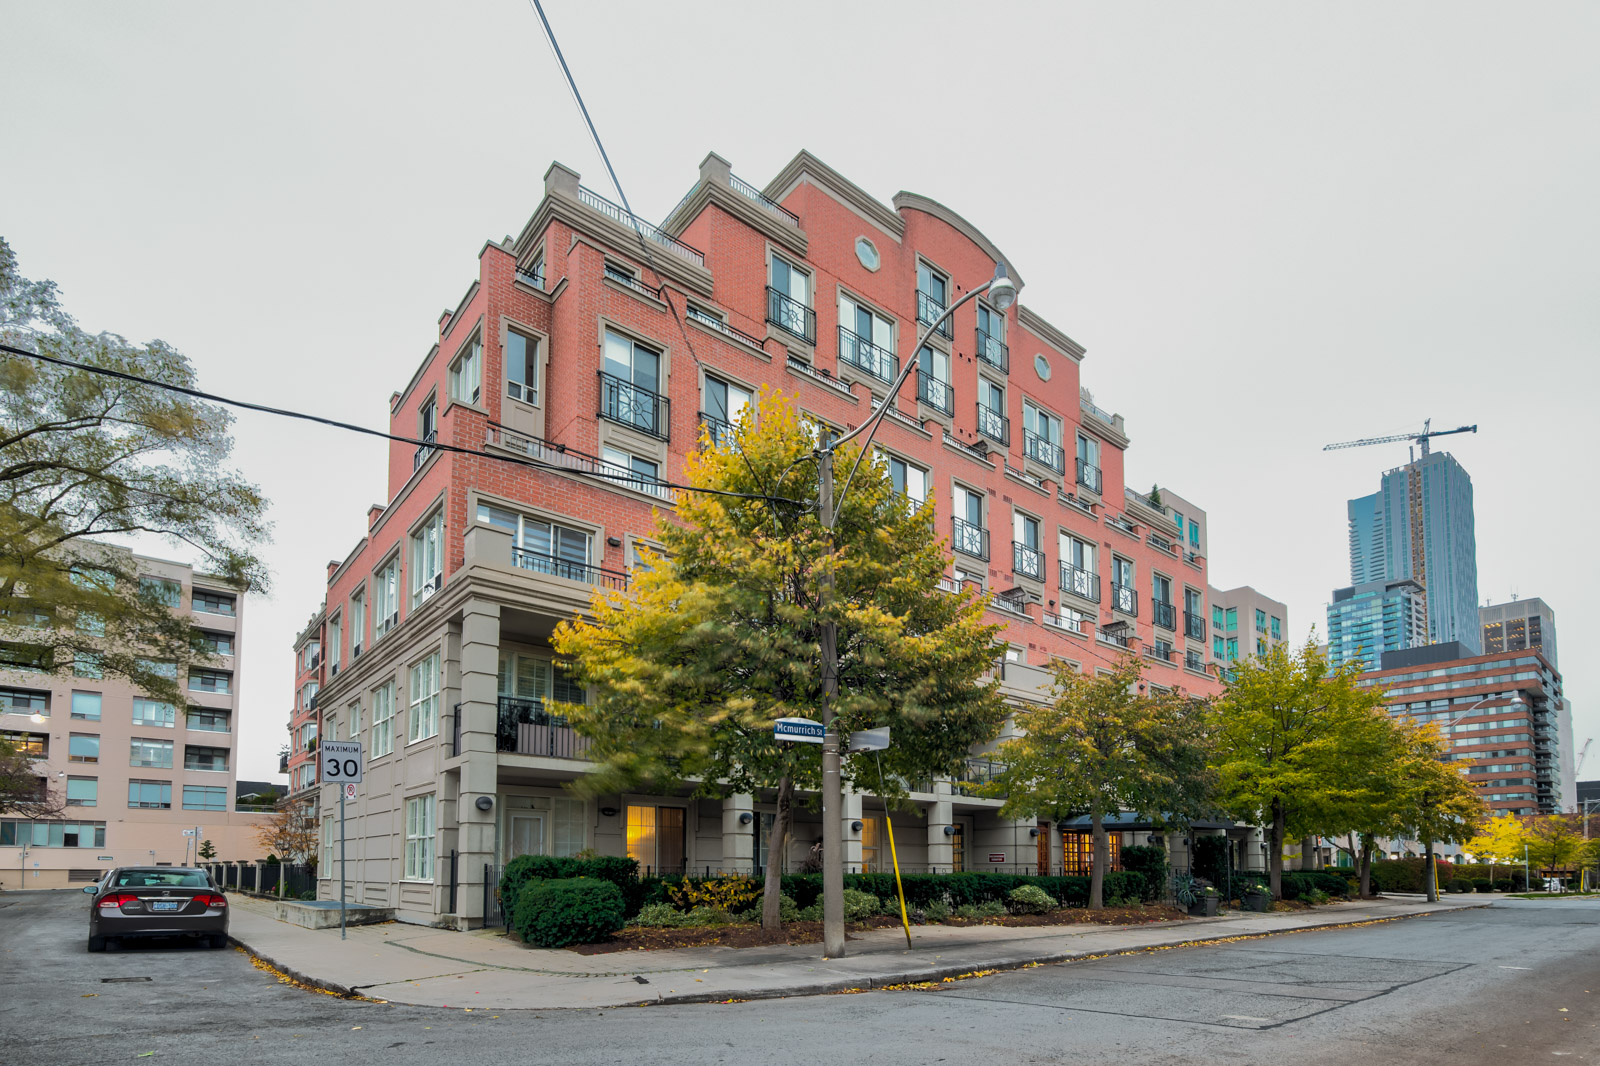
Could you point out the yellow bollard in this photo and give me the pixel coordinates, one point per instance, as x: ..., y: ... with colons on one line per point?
x: 904, y: 921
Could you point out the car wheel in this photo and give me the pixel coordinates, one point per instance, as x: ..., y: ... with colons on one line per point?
x: 220, y: 940
x: 97, y: 943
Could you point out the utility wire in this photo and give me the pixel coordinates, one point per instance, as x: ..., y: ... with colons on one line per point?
x: 536, y: 464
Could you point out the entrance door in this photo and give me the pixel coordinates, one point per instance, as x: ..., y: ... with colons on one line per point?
x: 1043, y: 851
x: 526, y: 835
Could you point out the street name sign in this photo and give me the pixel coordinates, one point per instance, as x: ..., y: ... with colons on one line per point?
x: 803, y: 730
x: 870, y: 739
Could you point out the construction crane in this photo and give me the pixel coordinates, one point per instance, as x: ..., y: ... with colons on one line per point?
x: 1581, y: 756
x: 1422, y: 438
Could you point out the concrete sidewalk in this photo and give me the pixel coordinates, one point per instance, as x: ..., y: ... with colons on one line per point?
x: 485, y: 970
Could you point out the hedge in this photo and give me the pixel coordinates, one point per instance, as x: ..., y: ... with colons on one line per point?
x: 573, y: 910
x: 618, y: 870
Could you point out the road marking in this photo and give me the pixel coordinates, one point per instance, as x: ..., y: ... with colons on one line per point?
x: 1244, y: 1018
x: 1516, y: 967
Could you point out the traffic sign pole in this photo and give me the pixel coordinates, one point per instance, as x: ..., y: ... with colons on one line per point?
x: 341, y: 765
x: 341, y: 863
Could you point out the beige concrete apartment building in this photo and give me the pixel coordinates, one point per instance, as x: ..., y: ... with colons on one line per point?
x: 135, y: 773
x: 1244, y: 622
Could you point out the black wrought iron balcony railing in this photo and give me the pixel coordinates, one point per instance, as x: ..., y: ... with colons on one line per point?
x: 526, y: 728
x: 1027, y: 561
x: 860, y: 352
x: 570, y: 569
x: 789, y: 314
x: 687, y: 253
x: 993, y: 351
x: 1193, y: 660
x: 424, y: 450
x: 994, y: 425
x: 1080, y: 582
x: 634, y: 406
x: 1159, y: 649
x: 928, y: 311
x: 1166, y: 616
x: 1043, y: 451
x: 969, y: 539
x: 935, y: 393
x: 1114, y: 636
x: 1089, y: 476
x: 1194, y: 625
x: 1124, y: 599
x: 719, y: 430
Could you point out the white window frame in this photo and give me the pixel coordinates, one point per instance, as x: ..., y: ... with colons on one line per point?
x: 386, y: 598
x: 355, y: 721
x: 466, y: 372
x: 383, y: 719
x: 427, y: 558
x: 358, y: 619
x: 920, y: 495
x: 419, y: 827
x: 523, y: 391
x: 335, y: 639
x: 423, y: 721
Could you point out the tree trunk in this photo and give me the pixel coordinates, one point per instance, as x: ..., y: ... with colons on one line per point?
x: 1275, y: 849
x: 1102, y: 855
x: 776, y: 844
x: 1427, y: 872
x: 1367, y: 844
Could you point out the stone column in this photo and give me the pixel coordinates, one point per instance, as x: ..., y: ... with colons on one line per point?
x: 739, y: 835
x: 941, y: 850
x: 479, y: 767
x: 852, y: 838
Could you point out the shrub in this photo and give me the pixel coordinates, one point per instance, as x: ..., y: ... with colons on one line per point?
x: 1030, y: 899
x: 858, y: 905
x: 1458, y: 884
x: 617, y: 869
x: 658, y: 916
x: 1210, y: 858
x: 702, y: 916
x: 1482, y: 884
x: 1298, y: 883
x: 1149, y: 861
x: 988, y: 909
x: 937, y: 911
x: 812, y: 913
x: 1502, y: 884
x: 576, y: 910
x: 723, y: 893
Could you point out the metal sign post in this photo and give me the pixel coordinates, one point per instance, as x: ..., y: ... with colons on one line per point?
x: 341, y: 765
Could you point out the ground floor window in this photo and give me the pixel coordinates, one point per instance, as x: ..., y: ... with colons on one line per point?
x: 15, y: 832
x: 567, y: 822
x: 871, y: 848
x: 764, y: 824
x: 419, y: 838
x: 1077, y: 852
x: 656, y: 838
x: 958, y: 849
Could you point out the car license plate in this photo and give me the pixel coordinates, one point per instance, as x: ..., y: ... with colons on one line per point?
x: 165, y: 905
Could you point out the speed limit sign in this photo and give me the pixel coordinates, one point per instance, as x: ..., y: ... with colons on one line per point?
x: 341, y: 760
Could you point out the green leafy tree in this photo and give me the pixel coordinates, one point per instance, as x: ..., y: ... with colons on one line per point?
x: 1103, y: 746
x: 720, y: 635
x: 1430, y: 796
x: 1288, y: 733
x: 208, y: 851
x: 24, y: 790
x: 1555, y: 843
x: 85, y: 457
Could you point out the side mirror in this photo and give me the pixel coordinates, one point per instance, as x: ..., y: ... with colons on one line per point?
x: 92, y: 889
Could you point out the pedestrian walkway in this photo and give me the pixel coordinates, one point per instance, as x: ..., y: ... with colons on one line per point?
x: 484, y: 970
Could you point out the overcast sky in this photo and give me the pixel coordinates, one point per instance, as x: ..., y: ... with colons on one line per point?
x: 1274, y: 226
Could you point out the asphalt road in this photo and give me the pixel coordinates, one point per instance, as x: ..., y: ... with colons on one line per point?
x: 1517, y: 981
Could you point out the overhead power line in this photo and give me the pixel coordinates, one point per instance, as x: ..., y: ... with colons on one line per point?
x: 617, y: 476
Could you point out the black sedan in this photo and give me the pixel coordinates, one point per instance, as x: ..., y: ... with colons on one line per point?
x: 148, y: 901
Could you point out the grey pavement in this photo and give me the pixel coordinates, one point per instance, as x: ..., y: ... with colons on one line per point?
x: 431, y: 967
x: 1511, y: 982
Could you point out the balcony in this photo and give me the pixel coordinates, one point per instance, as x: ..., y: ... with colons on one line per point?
x: 1114, y: 636
x: 1194, y: 626
x: 1159, y: 649
x: 790, y: 315
x: 526, y: 728
x: 1043, y: 451
x: 1161, y: 544
x: 1089, y: 476
x: 630, y: 405
x: 993, y: 351
x: 1193, y: 660
x: 994, y: 425
x: 424, y: 450
x: 928, y: 312
x: 935, y: 393
x: 1068, y: 622
x: 599, y: 203
x: 1084, y: 584
x: 567, y: 458
x: 1027, y: 561
x: 1166, y: 614
x: 720, y: 432
x: 863, y: 354
x: 1125, y: 599
x: 712, y: 322
x: 569, y: 569
x: 969, y: 539
x: 772, y: 207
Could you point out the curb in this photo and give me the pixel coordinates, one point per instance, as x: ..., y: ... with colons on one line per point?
x: 343, y: 991
x: 940, y: 973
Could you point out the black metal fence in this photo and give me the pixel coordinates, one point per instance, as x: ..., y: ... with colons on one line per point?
x: 297, y: 880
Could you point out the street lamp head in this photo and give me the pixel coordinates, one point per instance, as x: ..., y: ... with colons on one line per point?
x: 1002, y: 290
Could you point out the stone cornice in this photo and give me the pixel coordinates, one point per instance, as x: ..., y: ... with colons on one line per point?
x: 740, y: 207
x: 1029, y: 320
x: 609, y: 233
x: 910, y: 201
x: 805, y: 165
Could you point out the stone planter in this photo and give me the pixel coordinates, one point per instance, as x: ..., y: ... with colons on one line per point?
x: 1258, y: 901
x: 1204, y: 907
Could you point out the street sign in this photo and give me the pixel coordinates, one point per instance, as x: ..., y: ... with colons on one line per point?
x: 104, y: 858
x: 190, y: 833
x: 870, y: 739
x: 803, y: 730
x: 350, y: 790
x: 341, y: 760
x: 997, y: 856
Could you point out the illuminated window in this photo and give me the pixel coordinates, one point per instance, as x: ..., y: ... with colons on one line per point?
x: 656, y: 838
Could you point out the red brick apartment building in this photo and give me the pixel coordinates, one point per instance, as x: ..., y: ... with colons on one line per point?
x: 566, y: 349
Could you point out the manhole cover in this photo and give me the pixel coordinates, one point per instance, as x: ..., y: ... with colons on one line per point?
x: 120, y: 980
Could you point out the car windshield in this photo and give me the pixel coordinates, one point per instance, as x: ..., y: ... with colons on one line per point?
x: 162, y: 879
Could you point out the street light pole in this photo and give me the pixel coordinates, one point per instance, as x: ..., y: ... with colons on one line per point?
x: 1002, y: 293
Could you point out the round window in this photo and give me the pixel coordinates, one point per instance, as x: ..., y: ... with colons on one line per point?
x: 867, y: 252
x: 1041, y: 366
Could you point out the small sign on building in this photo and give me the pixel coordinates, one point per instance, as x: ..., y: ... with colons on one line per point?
x: 997, y: 856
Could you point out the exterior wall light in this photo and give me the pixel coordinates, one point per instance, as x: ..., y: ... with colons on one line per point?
x: 855, y: 827
x: 484, y: 803
x: 745, y: 817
